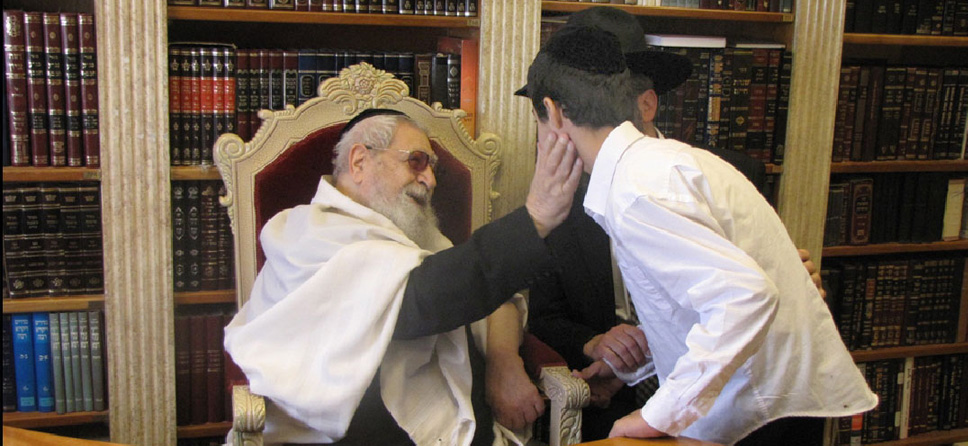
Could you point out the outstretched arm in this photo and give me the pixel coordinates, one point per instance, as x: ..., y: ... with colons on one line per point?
x: 510, y: 392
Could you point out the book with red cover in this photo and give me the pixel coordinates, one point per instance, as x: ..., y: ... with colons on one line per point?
x: 214, y: 368
x: 241, y: 110
x: 198, y: 358
x: 861, y: 196
x: 174, y: 104
x: 183, y: 371
x: 89, y: 89
x: 37, y: 88
x: 218, y: 100
x: 72, y: 88
x: 15, y: 74
x: 54, y: 76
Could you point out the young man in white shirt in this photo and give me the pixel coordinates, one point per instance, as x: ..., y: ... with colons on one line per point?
x: 740, y: 338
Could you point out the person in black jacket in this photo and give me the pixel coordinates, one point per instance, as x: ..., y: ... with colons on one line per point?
x: 574, y: 311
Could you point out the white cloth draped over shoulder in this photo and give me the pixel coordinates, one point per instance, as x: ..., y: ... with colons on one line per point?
x: 319, y: 324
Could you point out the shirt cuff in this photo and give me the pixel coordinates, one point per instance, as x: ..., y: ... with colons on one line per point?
x: 635, y: 377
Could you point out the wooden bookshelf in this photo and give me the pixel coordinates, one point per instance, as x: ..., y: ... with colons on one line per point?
x: 666, y: 11
x: 31, y: 174
x: 324, y: 18
x: 930, y: 439
x: 900, y: 166
x: 892, y: 248
x: 205, y: 297
x: 55, y: 303
x: 219, y: 429
x: 909, y: 351
x: 904, y: 40
x: 29, y: 420
x: 203, y: 172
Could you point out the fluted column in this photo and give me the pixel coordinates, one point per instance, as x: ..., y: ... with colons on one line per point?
x: 135, y: 196
x: 817, y: 44
x: 509, y: 41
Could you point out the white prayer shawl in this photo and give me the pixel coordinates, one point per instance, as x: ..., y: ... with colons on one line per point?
x: 319, y: 324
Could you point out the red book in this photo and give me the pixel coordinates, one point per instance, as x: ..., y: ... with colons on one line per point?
x: 195, y: 109
x: 89, y: 95
x: 214, y: 368
x: 36, y: 88
x: 72, y: 88
x: 56, y: 103
x: 174, y: 104
x: 15, y: 70
x: 241, y: 109
x: 198, y: 366
x: 183, y: 371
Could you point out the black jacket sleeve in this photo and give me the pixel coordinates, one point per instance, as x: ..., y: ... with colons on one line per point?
x: 469, y: 281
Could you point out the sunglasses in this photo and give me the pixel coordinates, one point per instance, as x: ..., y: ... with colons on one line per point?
x: 417, y: 159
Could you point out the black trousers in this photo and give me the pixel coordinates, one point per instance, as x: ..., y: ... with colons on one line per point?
x: 791, y: 431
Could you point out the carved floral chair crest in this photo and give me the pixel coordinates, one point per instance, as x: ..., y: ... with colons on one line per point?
x: 281, y: 166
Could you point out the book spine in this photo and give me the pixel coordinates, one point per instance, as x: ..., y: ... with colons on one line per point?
x: 277, y: 90
x: 860, y: 214
x: 13, y: 241
x: 36, y: 88
x: 256, y: 4
x: 174, y: 104
x: 206, y: 106
x: 873, y: 112
x: 70, y: 230
x: 65, y: 338
x: 225, y: 251
x: 84, y: 348
x: 282, y: 4
x: 15, y: 75
x: 860, y: 114
x: 54, y: 77
x: 53, y: 239
x: 756, y: 131
x: 242, y: 94
x: 208, y: 220
x: 453, y: 81
x: 229, y: 93
x: 34, y: 252
x: 199, y: 378
x: 89, y: 89
x: 23, y: 350
x: 193, y: 232
x: 75, y: 348
x: 179, y: 236
x: 42, y: 362
x: 97, y: 360
x: 56, y: 363
x: 89, y: 196
x: 183, y: 383
x: 929, y: 120
x: 196, y: 111
x: 72, y: 88
x: 218, y: 102
x: 9, y: 378
x: 290, y: 78
x: 214, y: 368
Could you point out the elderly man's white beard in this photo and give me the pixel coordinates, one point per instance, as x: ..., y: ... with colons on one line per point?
x: 410, y: 210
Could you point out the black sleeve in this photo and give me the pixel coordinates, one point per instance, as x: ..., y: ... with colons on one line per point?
x: 469, y: 281
x: 549, y: 321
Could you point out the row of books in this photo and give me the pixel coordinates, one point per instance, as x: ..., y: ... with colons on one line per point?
x: 462, y: 8
x: 917, y: 396
x: 896, y: 302
x: 736, y: 98
x: 201, y: 237
x: 887, y: 113
x: 915, y: 207
x: 50, y: 68
x: 920, y: 17
x: 735, y: 5
x: 52, y: 239
x: 53, y: 362
x: 204, y: 373
x: 215, y: 89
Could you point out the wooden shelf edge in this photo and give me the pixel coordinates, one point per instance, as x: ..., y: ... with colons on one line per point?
x: 685, y: 13
x: 219, y: 429
x: 205, y: 297
x: 774, y: 169
x: 910, y: 351
x: 54, y: 303
x: 900, y: 166
x: 13, y: 174
x: 331, y: 18
x: 930, y: 438
x: 893, y: 248
x: 904, y: 40
x: 27, y: 420
x: 200, y: 172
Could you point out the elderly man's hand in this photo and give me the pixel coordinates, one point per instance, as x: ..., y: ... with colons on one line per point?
x: 513, y: 398
x: 624, y: 346
x: 602, y: 383
x: 556, y: 175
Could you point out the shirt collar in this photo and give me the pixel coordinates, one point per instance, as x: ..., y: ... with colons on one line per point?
x: 618, y: 140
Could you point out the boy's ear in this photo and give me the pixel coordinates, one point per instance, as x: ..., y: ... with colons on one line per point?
x: 555, y: 116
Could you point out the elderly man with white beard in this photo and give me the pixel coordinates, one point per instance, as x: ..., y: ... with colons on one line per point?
x: 359, y: 326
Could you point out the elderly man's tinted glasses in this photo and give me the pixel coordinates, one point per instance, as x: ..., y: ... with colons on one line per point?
x: 417, y: 159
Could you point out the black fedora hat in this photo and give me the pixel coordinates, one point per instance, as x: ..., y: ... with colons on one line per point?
x: 667, y: 70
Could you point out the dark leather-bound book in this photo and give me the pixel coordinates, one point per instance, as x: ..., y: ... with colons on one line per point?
x: 879, y: 16
x: 756, y: 131
x: 835, y: 224
x: 70, y: 230
x: 860, y: 113
x: 944, y: 146
x: 193, y: 244
x: 208, y: 208
x: 198, y: 363
x: 54, y: 76
x: 290, y: 78
x: 70, y: 45
x: 918, y: 85
x: 89, y: 89
x: 229, y: 94
x: 929, y: 119
x: 861, y: 196
x: 775, y: 60
x: 195, y: 109
x: 207, y: 105
x: 933, y: 217
x: 89, y: 196
x: 872, y: 113
x: 9, y: 380
x: 174, y: 104
x: 376, y: 6
x: 53, y: 239
x: 893, y: 101
x: 282, y: 4
x: 234, y: 4
x: 15, y: 75
x: 277, y: 89
x: 301, y: 5
x: 257, y: 4
x: 242, y: 94
x: 35, y: 257
x: 451, y: 7
x: 453, y: 81
x: 225, y: 251
x: 183, y: 371
x: 13, y: 240
x: 740, y: 99
x: 471, y: 8
x: 438, y: 79
x: 214, y: 368
x: 179, y: 235
x: 218, y: 101
x: 440, y: 7
x: 36, y: 88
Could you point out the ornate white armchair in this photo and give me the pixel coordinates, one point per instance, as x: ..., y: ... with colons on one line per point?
x: 281, y: 166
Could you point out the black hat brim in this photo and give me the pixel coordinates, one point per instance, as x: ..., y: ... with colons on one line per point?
x: 667, y: 70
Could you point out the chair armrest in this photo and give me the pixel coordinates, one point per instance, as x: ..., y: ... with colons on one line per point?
x: 567, y: 394
x: 248, y: 417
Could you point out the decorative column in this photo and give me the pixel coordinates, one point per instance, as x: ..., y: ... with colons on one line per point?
x: 509, y: 41
x: 135, y: 199
x: 817, y: 45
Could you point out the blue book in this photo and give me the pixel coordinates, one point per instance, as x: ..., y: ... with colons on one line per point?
x: 42, y: 363
x: 23, y: 362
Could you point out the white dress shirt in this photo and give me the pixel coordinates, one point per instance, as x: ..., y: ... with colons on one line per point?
x: 738, y: 331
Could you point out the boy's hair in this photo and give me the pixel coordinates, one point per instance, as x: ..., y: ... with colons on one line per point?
x: 583, y: 70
